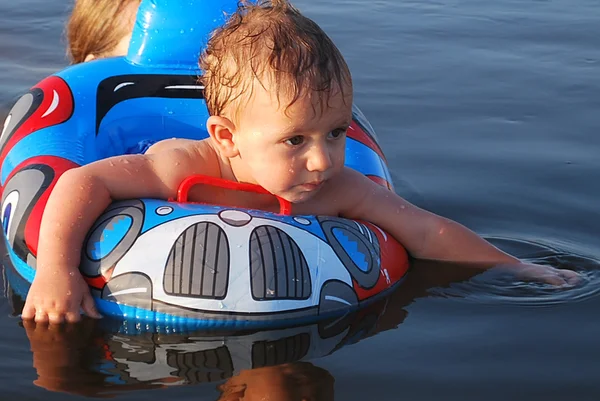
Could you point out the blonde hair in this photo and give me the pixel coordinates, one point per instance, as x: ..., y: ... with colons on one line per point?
x: 271, y: 41
x: 95, y: 27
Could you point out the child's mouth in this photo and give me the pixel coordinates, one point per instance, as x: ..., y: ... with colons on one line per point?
x: 312, y: 186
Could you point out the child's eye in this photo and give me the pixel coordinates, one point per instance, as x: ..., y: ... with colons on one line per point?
x: 337, y: 133
x: 295, y: 140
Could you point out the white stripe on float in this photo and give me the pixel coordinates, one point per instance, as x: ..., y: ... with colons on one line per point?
x: 129, y: 291
x: 53, y: 105
x: 122, y: 85
x: 337, y: 299
x: 201, y: 87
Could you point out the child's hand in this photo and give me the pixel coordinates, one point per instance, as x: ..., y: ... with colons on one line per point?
x: 545, y: 274
x: 56, y: 297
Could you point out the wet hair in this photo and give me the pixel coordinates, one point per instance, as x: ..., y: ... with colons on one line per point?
x: 96, y: 27
x: 271, y: 43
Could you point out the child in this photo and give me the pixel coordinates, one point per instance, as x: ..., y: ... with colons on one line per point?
x: 279, y: 95
x: 100, y: 28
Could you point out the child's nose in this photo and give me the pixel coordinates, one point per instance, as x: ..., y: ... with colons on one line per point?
x: 319, y: 158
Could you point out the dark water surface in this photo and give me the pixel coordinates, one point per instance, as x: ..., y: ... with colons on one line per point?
x: 488, y: 113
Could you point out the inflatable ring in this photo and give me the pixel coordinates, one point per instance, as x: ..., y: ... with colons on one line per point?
x: 173, y: 262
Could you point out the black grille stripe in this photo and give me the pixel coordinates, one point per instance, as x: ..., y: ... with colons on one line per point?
x: 278, y: 267
x: 198, y: 265
x: 202, y: 366
x: 284, y: 350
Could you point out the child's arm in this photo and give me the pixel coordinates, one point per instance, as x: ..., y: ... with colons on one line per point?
x: 78, y: 199
x: 429, y: 236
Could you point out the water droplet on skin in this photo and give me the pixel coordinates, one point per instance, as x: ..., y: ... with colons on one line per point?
x: 111, y: 163
x: 71, y: 273
x: 125, y: 161
x: 69, y: 293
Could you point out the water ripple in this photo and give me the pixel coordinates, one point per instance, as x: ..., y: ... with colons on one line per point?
x: 499, y: 287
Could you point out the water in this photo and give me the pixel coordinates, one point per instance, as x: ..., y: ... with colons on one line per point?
x: 487, y: 112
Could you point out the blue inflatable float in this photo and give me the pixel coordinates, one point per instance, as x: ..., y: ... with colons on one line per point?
x: 173, y: 262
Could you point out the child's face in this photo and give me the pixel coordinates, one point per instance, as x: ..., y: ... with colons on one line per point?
x: 292, y: 151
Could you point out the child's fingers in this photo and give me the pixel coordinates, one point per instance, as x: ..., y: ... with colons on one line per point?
x: 564, y: 277
x: 29, y: 325
x: 28, y: 312
x: 55, y: 318
x: 72, y: 317
x: 571, y: 277
x: 41, y: 316
x: 89, y: 306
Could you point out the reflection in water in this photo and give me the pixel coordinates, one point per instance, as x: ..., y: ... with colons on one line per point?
x: 100, y: 358
x: 84, y: 359
x: 292, y: 381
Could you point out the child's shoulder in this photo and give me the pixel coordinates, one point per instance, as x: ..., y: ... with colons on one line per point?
x: 187, y: 156
x: 179, y: 144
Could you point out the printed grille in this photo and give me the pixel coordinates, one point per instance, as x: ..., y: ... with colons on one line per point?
x: 202, y: 366
x: 284, y: 350
x: 198, y: 265
x: 278, y: 267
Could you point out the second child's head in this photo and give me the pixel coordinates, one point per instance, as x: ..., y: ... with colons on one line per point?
x: 280, y: 98
x: 100, y: 28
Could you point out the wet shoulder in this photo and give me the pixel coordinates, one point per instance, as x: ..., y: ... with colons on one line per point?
x: 186, y: 157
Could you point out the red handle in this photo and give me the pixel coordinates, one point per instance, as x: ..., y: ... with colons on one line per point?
x: 285, y: 207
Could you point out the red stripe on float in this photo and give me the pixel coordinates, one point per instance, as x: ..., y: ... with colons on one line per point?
x: 37, y: 121
x: 356, y: 132
x: 32, y: 227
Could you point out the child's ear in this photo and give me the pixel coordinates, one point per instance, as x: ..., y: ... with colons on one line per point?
x: 221, y: 130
